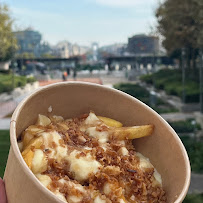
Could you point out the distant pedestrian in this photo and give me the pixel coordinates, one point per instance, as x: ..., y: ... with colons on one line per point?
x: 68, y: 71
x: 74, y: 73
x: 64, y: 76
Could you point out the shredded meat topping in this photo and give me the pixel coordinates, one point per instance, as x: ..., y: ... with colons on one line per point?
x: 119, y: 177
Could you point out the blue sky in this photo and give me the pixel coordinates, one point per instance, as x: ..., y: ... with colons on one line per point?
x: 84, y: 21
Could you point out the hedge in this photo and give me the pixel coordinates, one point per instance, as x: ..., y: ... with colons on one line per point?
x: 193, y: 198
x: 195, y: 152
x: 19, y: 81
x: 171, y: 81
x: 185, y: 126
x: 143, y: 95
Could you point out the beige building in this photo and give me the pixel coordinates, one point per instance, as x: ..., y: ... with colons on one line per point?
x: 65, y: 49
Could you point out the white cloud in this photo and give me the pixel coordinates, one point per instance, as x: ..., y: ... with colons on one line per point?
x: 123, y: 3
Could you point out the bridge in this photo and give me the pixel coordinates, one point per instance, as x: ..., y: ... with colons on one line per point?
x: 138, y: 61
x: 51, y: 62
x: 118, y: 62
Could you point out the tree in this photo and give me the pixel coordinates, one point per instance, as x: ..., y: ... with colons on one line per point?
x: 8, y: 44
x: 26, y: 55
x: 47, y: 55
x: 180, y: 22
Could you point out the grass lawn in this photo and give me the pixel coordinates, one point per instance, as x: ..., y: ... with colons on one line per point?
x: 4, y: 149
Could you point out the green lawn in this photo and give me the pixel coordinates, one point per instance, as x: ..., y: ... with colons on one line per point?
x: 4, y: 149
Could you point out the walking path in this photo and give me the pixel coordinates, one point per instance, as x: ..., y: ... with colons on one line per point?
x: 7, y: 107
x: 196, y: 185
x: 5, y: 123
x: 177, y: 116
x: 91, y: 80
x: 8, y: 103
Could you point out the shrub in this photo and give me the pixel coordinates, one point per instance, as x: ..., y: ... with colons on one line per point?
x: 165, y: 109
x: 174, y: 88
x: 143, y: 95
x: 184, y: 126
x: 19, y: 81
x: 30, y: 79
x: 171, y: 82
x: 195, y: 152
x: 193, y: 198
x: 159, y: 84
x: 147, y: 78
x: 134, y: 90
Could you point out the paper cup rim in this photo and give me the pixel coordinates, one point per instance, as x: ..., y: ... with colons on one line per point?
x: 26, y: 169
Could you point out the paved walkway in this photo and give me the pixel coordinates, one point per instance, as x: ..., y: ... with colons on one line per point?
x: 91, y: 80
x: 8, y: 103
x: 196, y: 185
x: 7, y: 107
x: 5, y: 123
x: 177, y: 116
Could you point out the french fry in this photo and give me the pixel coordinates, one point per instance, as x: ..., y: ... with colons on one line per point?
x: 28, y: 158
x: 110, y: 122
x: 132, y: 132
x: 43, y: 120
x: 35, y: 142
x: 39, y: 162
x: 28, y: 153
x: 27, y: 136
x: 31, y: 132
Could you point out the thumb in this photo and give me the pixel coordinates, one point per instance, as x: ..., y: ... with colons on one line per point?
x: 3, y: 198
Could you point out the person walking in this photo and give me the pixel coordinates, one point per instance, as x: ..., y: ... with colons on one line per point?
x: 64, y: 76
x: 74, y: 73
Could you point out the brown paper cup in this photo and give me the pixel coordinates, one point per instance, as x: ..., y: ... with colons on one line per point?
x: 69, y: 99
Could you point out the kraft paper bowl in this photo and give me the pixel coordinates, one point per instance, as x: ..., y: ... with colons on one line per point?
x: 70, y: 99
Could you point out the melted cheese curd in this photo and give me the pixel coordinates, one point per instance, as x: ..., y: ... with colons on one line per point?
x: 80, y: 160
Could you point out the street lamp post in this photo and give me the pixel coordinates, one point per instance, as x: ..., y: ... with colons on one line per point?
x: 183, y: 74
x: 200, y: 80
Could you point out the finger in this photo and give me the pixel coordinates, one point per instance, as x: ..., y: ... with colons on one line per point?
x: 3, y: 198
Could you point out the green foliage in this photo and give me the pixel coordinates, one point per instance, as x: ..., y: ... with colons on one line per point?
x: 179, y: 22
x: 147, y: 78
x: 19, y: 81
x: 193, y: 198
x: 4, y: 149
x: 134, y: 90
x: 185, y: 126
x: 165, y: 109
x: 90, y: 67
x: 143, y: 95
x: 171, y: 82
x: 195, y: 152
x: 8, y: 44
x: 26, y: 55
x: 31, y: 79
x: 47, y: 55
